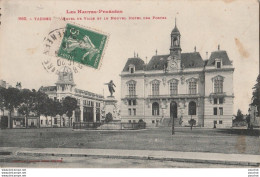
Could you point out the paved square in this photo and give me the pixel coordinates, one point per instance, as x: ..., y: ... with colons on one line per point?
x: 229, y: 141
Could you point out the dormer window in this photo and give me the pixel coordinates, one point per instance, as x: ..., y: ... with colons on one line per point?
x: 218, y: 63
x: 131, y: 68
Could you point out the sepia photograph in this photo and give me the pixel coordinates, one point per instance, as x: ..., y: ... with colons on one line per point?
x: 129, y: 84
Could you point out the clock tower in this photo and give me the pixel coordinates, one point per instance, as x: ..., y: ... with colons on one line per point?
x: 174, y: 60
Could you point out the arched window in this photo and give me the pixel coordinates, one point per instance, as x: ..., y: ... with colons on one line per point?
x: 192, y: 108
x: 155, y: 109
x: 218, y: 84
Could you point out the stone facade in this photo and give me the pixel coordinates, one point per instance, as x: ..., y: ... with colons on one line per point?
x: 91, y: 105
x: 178, y: 86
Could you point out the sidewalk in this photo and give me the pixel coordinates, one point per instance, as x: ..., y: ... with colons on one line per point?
x: 194, y: 157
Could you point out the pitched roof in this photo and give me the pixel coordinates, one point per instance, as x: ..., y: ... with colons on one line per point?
x: 188, y: 60
x: 137, y: 62
x: 221, y: 54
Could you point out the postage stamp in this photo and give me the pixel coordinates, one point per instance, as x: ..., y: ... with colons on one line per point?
x: 51, y: 43
x: 83, y: 45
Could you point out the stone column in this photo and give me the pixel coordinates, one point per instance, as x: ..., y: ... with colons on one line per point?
x: 81, y: 112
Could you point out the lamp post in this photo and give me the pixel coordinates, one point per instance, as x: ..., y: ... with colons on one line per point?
x: 172, y: 121
x: 165, y: 72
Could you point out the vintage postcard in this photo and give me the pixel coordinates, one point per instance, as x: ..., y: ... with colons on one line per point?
x: 129, y: 84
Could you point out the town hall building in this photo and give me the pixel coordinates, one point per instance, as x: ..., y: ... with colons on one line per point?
x: 178, y: 86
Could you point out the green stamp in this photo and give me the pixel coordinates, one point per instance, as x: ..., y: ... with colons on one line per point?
x: 82, y: 45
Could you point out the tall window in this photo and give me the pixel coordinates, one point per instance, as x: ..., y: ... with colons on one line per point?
x: 192, y: 86
x: 129, y: 112
x: 155, y: 109
x: 220, y: 110
x: 220, y: 100
x: 218, y: 84
x: 155, y: 87
x: 215, y: 111
x: 173, y: 87
x: 131, y: 88
x: 192, y: 108
x: 55, y: 120
x: 134, y: 112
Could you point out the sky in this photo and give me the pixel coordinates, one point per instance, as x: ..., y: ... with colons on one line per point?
x: 232, y: 24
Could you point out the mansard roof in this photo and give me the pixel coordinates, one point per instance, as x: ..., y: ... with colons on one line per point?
x: 188, y: 60
x: 87, y: 93
x: 191, y: 60
x: 137, y: 62
x: 157, y: 62
x: 48, y: 88
x: 221, y: 54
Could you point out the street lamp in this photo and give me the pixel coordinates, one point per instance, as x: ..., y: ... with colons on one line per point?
x: 173, y: 126
x: 172, y: 121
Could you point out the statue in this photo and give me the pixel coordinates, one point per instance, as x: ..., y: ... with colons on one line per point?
x: 111, y: 87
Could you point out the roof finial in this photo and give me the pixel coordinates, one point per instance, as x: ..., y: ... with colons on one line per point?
x: 218, y: 47
x: 146, y: 59
x: 137, y: 55
x: 156, y: 52
x: 175, y: 21
x: 195, y: 49
x: 134, y: 54
x: 206, y: 55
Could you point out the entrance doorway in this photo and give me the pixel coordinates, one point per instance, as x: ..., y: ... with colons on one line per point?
x: 88, y: 114
x: 173, y: 110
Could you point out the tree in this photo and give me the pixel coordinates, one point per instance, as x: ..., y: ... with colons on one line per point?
x: 12, y: 101
x: 57, y: 109
x: 239, y: 116
x: 2, y: 99
x: 26, y: 105
x: 41, y: 104
x: 69, y: 105
x: 192, y: 122
x: 256, y: 94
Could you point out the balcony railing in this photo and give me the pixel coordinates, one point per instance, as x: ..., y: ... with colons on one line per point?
x: 175, y: 96
x: 131, y: 96
x: 218, y: 94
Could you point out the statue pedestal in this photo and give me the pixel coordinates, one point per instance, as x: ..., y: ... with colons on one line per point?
x: 111, y: 106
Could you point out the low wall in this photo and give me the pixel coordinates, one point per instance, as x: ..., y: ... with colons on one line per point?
x: 109, y: 126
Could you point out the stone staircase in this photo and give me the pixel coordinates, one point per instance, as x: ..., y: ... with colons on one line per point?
x: 167, y: 122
